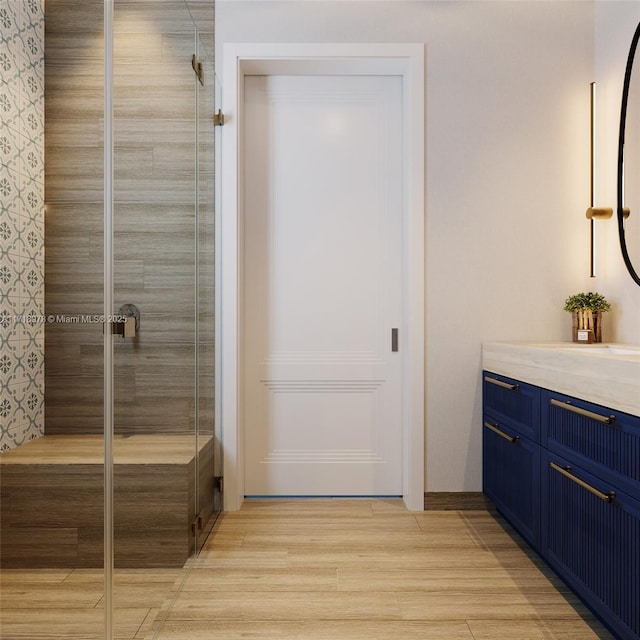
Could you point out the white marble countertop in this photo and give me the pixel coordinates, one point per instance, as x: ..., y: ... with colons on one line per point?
x: 607, y: 374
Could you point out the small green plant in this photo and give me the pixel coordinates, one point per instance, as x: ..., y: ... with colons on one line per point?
x: 586, y: 301
x: 587, y: 309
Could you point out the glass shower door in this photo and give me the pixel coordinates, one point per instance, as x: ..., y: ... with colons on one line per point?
x: 209, y: 478
x: 156, y: 358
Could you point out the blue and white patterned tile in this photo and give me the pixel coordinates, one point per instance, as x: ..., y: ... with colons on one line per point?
x: 32, y: 198
x: 31, y: 244
x: 10, y: 234
x: 32, y: 47
x: 10, y: 68
x: 32, y: 82
x: 12, y: 428
x: 11, y: 320
x: 33, y: 360
x: 16, y: 11
x: 31, y: 433
x: 33, y: 386
x: 9, y: 189
x: 34, y: 10
x: 8, y: 71
x: 10, y: 103
x: 34, y: 408
x: 21, y: 221
x: 12, y: 414
x: 33, y: 79
x: 7, y: 322
x: 17, y: 432
x: 31, y: 163
x: 10, y: 274
x: 33, y: 112
x: 14, y: 44
x: 10, y: 20
x: 31, y: 330
x: 10, y: 148
x: 31, y: 120
x: 12, y: 369
x: 31, y: 282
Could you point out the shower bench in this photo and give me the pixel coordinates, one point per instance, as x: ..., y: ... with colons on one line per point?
x: 52, y: 497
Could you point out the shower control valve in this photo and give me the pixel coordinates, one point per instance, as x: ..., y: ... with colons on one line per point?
x: 130, y: 324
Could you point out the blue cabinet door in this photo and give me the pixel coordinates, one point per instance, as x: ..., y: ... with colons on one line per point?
x: 591, y: 537
x: 511, y: 475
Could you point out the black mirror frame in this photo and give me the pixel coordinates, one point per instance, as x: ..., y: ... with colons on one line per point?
x: 623, y: 121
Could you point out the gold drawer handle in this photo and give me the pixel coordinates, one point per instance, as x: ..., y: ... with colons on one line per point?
x: 566, y: 471
x: 502, y: 434
x: 504, y: 385
x: 583, y: 412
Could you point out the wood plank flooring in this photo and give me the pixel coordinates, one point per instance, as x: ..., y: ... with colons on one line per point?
x: 323, y: 570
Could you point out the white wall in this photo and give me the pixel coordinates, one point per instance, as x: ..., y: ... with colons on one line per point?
x: 615, y: 24
x: 507, y: 177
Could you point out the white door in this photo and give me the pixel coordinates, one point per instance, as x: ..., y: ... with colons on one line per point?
x: 322, y: 273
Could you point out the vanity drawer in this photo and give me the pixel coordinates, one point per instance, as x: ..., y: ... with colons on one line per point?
x: 513, y: 403
x: 603, y: 441
x: 511, y: 477
x: 590, y: 533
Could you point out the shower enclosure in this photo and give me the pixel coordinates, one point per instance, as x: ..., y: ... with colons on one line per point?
x: 115, y: 480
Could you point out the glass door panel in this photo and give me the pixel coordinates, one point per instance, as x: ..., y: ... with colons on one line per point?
x: 208, y: 476
x: 155, y: 269
x: 51, y: 302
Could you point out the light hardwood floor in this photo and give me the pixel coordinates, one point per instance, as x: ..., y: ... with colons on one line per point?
x: 326, y: 570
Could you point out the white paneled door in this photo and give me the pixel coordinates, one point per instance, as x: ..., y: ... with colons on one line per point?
x: 322, y: 270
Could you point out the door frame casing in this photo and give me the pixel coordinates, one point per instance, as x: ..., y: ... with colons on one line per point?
x: 240, y: 59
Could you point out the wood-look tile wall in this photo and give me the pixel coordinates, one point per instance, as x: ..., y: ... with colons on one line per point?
x: 155, y: 215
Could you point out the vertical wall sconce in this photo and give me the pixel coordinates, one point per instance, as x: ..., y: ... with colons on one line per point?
x: 594, y: 213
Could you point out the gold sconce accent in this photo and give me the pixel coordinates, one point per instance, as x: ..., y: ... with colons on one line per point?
x: 599, y: 213
x: 604, y: 213
x: 594, y: 213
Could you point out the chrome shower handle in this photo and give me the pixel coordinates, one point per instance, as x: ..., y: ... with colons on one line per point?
x: 129, y: 326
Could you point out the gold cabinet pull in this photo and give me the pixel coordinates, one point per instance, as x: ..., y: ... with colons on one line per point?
x: 501, y: 433
x: 583, y: 412
x: 566, y: 471
x: 504, y: 385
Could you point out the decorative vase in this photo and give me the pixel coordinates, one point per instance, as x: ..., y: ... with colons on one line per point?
x: 587, y: 326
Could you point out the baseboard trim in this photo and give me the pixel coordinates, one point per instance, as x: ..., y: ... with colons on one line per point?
x: 456, y: 501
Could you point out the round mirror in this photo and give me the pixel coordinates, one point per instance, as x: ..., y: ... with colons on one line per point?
x: 628, y: 208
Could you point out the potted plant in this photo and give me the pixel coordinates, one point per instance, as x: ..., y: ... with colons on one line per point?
x: 587, y: 310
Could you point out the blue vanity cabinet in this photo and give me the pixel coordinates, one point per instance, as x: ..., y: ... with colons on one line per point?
x: 511, y: 452
x: 591, y: 538
x: 566, y: 474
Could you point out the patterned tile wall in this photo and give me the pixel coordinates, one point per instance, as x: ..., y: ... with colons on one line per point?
x: 21, y: 221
